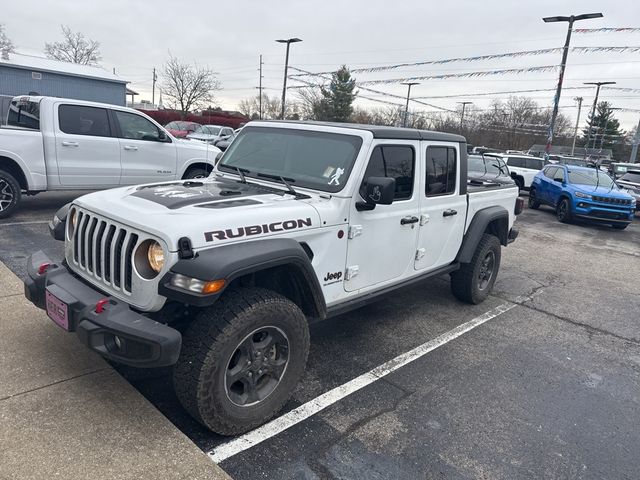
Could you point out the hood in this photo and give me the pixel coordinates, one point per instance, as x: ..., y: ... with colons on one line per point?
x: 212, y: 212
x: 202, y: 136
x: 201, y: 149
x: 603, y: 191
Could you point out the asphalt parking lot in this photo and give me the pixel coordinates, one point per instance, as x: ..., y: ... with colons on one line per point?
x: 548, y: 389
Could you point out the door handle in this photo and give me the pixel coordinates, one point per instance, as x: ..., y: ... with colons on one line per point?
x: 130, y: 147
x: 449, y: 213
x: 70, y: 144
x: 408, y: 220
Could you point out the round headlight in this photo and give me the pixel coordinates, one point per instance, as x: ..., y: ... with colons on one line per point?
x: 155, y: 255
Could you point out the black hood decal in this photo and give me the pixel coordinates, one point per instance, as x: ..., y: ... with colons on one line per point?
x: 182, y: 194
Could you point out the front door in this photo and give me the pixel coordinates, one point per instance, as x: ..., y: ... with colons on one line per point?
x: 443, y: 208
x: 87, y: 151
x: 382, y: 241
x: 145, y: 157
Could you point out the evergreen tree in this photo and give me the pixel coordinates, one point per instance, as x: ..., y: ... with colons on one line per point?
x: 606, y: 128
x: 336, y: 104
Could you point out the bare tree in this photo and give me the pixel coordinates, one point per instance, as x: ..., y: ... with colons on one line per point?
x: 188, y: 86
x: 6, y: 45
x: 271, y: 108
x: 74, y: 48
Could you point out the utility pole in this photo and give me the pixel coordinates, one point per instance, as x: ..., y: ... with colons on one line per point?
x: 563, y: 65
x: 634, y: 150
x: 288, y: 41
x: 593, y: 110
x: 260, y: 91
x: 464, y: 104
x: 575, y: 132
x: 406, y: 109
x: 153, y: 88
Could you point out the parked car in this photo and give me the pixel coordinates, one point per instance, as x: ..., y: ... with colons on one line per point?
x: 220, y: 278
x: 488, y: 169
x: 631, y: 182
x: 210, y: 133
x: 584, y: 192
x: 617, y: 169
x: 180, y: 129
x: 61, y: 144
x: 523, y: 168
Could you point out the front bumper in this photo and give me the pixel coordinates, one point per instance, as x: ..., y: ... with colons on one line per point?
x: 600, y: 212
x: 118, y: 333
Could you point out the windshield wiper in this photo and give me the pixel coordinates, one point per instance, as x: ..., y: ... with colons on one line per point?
x: 284, y: 180
x: 241, y: 172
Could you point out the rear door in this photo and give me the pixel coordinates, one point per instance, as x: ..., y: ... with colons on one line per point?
x: 87, y: 151
x: 443, y: 206
x: 382, y: 241
x: 542, y: 183
x: 146, y: 157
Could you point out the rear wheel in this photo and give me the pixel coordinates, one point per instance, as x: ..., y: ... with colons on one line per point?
x: 533, y: 202
x: 474, y: 281
x: 241, y: 360
x: 563, y: 211
x: 10, y: 194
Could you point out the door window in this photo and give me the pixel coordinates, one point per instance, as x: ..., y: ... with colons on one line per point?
x: 135, y: 127
x: 550, y: 172
x: 516, y: 162
x: 534, y: 163
x: 441, y: 171
x: 81, y: 120
x: 559, y: 174
x: 393, y: 161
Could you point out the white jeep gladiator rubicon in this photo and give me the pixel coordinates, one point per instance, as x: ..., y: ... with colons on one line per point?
x: 298, y: 221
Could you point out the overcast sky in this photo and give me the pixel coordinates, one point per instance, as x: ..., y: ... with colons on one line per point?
x: 230, y: 36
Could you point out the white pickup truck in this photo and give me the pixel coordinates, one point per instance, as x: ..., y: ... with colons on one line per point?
x: 298, y: 221
x: 61, y: 144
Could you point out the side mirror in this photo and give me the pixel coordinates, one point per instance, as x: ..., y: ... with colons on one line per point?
x: 377, y: 191
x: 162, y: 136
x: 559, y: 179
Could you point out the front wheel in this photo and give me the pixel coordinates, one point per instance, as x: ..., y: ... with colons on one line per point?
x: 196, y: 173
x: 563, y: 211
x: 241, y: 360
x: 474, y: 281
x: 10, y: 194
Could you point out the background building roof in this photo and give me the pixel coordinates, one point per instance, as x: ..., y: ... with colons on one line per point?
x: 41, y: 64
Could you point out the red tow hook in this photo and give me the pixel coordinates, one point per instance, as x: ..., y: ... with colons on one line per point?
x: 42, y: 269
x: 100, y: 304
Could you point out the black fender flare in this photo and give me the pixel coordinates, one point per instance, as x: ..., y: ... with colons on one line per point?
x: 233, y: 261
x: 478, y: 227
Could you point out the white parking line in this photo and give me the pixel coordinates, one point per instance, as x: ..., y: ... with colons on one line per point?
x: 289, y: 419
x: 23, y: 223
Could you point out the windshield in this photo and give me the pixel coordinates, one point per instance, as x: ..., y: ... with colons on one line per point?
x: 207, y: 130
x: 317, y: 160
x: 476, y: 164
x: 592, y: 177
x: 495, y: 165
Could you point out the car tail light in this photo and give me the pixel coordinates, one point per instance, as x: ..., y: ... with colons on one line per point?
x: 519, y: 206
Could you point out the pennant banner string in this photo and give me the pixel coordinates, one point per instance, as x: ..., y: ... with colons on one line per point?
x: 485, y: 57
x: 607, y: 30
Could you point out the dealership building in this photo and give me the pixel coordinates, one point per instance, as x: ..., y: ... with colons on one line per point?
x: 31, y: 75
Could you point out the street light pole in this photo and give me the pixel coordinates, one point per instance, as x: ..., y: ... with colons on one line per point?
x: 575, y: 132
x: 406, y: 109
x: 593, y: 109
x: 634, y: 149
x: 464, y: 104
x: 288, y: 41
x: 606, y: 125
x: 565, y: 52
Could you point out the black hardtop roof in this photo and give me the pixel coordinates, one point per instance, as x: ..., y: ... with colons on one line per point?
x: 379, y: 131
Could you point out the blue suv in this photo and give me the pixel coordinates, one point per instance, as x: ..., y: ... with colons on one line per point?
x: 583, y: 192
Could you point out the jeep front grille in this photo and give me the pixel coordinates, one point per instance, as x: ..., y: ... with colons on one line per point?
x: 612, y: 201
x: 104, y: 249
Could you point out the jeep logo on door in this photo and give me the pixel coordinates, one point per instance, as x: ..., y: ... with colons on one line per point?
x: 250, y: 230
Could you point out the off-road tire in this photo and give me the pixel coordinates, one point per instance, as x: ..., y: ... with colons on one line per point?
x: 10, y: 194
x: 520, y: 183
x: 195, y: 172
x: 533, y: 203
x: 563, y: 211
x: 209, y: 343
x: 619, y: 226
x: 465, y: 282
